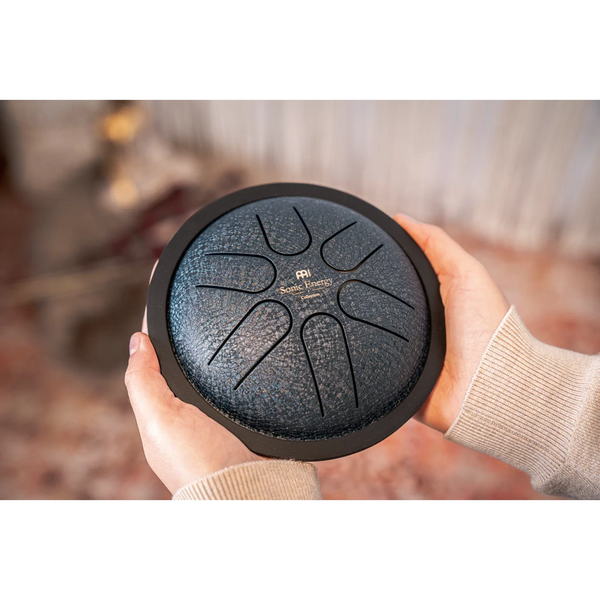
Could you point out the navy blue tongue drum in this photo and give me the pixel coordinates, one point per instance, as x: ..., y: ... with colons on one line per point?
x: 301, y: 318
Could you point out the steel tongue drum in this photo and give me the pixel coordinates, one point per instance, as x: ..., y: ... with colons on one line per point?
x: 299, y: 317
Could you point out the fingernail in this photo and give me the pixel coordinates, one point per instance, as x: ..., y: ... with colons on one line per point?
x: 134, y: 343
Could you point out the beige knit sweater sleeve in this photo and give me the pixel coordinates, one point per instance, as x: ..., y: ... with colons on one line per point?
x: 529, y: 404
x: 537, y: 408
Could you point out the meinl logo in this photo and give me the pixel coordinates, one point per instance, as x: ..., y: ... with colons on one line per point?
x: 302, y: 274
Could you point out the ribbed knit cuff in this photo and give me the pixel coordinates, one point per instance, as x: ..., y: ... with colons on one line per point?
x: 258, y: 480
x: 529, y: 405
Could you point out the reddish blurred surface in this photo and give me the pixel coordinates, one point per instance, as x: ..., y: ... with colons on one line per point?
x: 66, y: 428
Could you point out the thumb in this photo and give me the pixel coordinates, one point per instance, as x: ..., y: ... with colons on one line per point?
x: 444, y: 254
x: 148, y: 391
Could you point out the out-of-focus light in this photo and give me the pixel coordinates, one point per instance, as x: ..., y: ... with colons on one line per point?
x: 123, y: 192
x: 122, y: 126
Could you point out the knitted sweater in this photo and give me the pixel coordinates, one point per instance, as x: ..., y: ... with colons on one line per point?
x: 531, y: 405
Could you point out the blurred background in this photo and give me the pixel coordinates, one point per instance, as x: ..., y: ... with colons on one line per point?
x: 90, y: 193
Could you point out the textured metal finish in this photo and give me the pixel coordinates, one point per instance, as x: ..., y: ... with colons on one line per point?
x: 298, y: 318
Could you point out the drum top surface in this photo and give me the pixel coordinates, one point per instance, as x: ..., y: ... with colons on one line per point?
x: 298, y: 318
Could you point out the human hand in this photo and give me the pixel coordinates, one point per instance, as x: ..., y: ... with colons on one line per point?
x: 180, y: 442
x: 474, y: 307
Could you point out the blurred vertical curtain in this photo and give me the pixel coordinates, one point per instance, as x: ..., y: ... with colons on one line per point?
x: 524, y: 173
